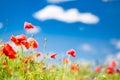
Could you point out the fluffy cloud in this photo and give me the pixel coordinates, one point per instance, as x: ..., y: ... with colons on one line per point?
x: 111, y: 57
x: 86, y: 48
x: 109, y: 0
x: 69, y: 16
x: 116, y: 43
x: 34, y: 31
x: 118, y: 56
x: 1, y: 25
x: 105, y: 0
x: 58, y: 1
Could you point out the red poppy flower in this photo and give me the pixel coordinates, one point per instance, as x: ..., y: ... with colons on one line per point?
x: 38, y: 54
x: 21, y: 37
x: 26, y: 44
x: 74, y: 67
x: 28, y: 26
x: 65, y: 61
x: 98, y: 69
x: 53, y: 56
x: 18, y: 39
x: 113, y: 64
x: 110, y: 70
x: 8, y: 50
x: 33, y: 43
x: 118, y: 70
x: 72, y: 53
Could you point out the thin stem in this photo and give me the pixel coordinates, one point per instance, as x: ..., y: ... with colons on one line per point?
x: 22, y: 49
x: 44, y: 51
x: 44, y: 46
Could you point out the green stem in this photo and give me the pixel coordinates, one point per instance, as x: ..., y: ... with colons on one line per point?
x: 44, y: 51
x: 44, y: 46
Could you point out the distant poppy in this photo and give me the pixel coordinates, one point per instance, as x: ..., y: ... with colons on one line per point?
x: 4, y: 63
x: 28, y: 26
x: 23, y: 67
x: 38, y: 54
x: 118, y: 70
x: 110, y: 70
x: 53, y: 56
x: 18, y: 39
x: 113, y: 64
x: 26, y: 44
x: 65, y: 61
x: 33, y: 42
x: 72, y: 53
x: 74, y: 67
x: 98, y: 69
x: 25, y: 60
x: 8, y: 50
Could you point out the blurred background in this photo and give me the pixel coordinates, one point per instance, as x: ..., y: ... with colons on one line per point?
x: 91, y: 27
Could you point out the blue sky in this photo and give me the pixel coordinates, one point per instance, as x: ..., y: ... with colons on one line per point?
x: 92, y: 28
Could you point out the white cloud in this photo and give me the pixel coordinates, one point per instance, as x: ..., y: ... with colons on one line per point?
x: 109, y: 0
x: 69, y: 16
x: 34, y: 31
x: 105, y: 0
x: 118, y: 56
x: 59, y: 1
x: 86, y: 48
x: 1, y: 25
x: 111, y: 57
x: 116, y: 43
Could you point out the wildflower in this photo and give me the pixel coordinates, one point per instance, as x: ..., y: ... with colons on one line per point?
x: 28, y: 26
x: 38, y: 54
x: 33, y: 43
x: 74, y: 67
x: 65, y: 61
x: 110, y: 70
x: 4, y: 63
x: 113, y: 64
x: 98, y: 69
x: 18, y: 39
x: 8, y: 51
x: 118, y: 70
x: 72, y: 53
x: 26, y: 44
x: 25, y: 60
x: 23, y: 67
x: 31, y: 57
x: 53, y: 56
